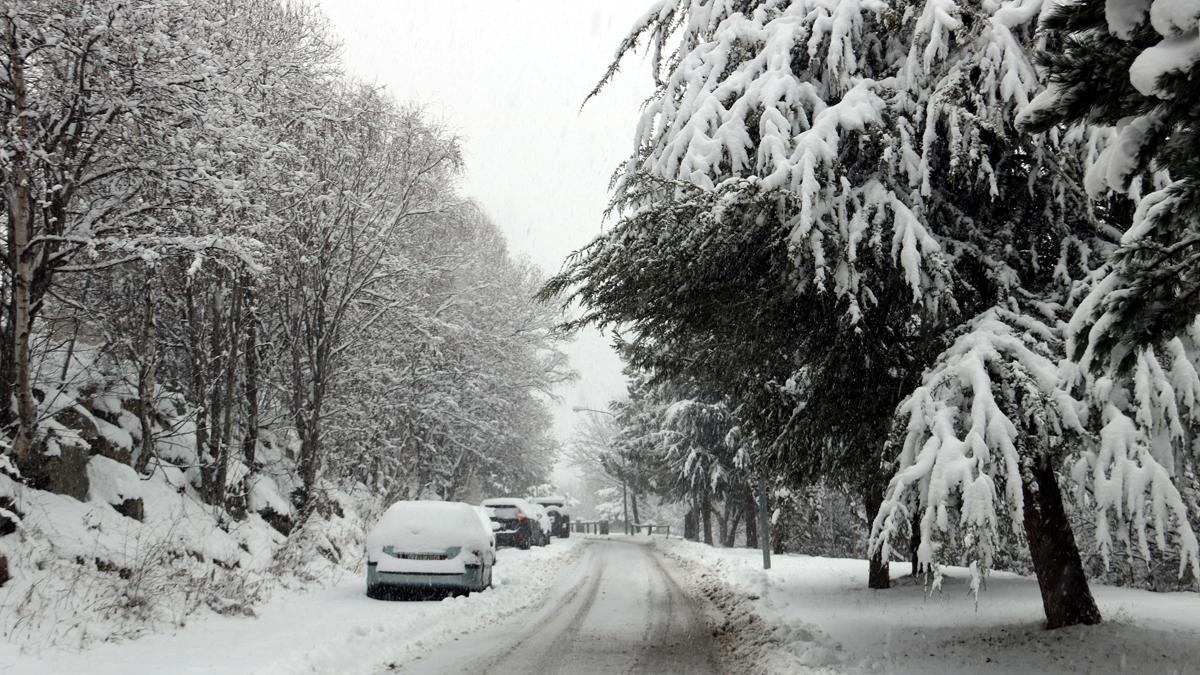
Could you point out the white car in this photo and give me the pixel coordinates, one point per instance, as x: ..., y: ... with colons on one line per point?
x: 430, y: 545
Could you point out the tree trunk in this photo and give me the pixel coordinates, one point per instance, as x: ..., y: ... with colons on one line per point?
x: 878, y: 575
x: 1066, y: 598
x: 914, y: 542
x: 706, y: 516
x: 250, y: 438
x: 751, y: 509
x: 145, y: 385
x: 66, y: 365
x: 199, y: 368
x: 731, y: 521
x: 691, y: 528
x: 210, y: 471
x: 633, y: 506
x: 20, y: 223
x: 232, y: 355
x: 310, y: 447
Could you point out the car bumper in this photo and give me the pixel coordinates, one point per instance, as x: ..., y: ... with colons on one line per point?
x: 511, y: 538
x: 472, y: 577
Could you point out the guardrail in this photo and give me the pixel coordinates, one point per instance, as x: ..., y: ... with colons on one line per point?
x: 652, y: 529
x: 590, y: 526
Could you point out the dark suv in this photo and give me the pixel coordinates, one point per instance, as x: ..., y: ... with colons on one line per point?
x: 518, y: 526
x: 557, y: 508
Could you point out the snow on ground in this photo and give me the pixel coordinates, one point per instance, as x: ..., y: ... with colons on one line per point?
x: 336, y: 629
x: 812, y: 614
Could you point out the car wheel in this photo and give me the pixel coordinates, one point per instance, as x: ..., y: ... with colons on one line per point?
x: 376, y: 592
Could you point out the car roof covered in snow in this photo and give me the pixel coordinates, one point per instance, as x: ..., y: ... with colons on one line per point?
x: 426, y: 526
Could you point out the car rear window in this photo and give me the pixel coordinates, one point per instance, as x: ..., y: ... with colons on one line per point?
x: 504, y: 512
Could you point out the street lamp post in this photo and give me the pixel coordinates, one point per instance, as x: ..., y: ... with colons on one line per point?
x: 624, y: 468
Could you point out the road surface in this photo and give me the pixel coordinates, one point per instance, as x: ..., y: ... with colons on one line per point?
x: 616, y: 610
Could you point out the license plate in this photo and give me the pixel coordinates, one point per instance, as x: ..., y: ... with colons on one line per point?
x: 423, y: 556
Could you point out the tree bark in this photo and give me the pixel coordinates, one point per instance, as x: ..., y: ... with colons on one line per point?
x: 250, y: 438
x: 751, y: 509
x: 232, y: 355
x: 199, y: 368
x: 878, y: 575
x: 1066, y: 598
x: 706, y: 516
x: 146, y: 363
x: 735, y: 522
x: 20, y: 223
x: 691, y: 528
x: 914, y: 542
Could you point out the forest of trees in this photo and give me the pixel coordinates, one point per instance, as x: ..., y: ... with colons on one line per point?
x: 205, y: 217
x: 938, y: 255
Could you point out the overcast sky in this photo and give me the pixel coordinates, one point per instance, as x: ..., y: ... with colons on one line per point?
x: 510, y: 78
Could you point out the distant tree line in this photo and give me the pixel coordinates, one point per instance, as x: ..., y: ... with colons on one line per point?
x: 195, y: 192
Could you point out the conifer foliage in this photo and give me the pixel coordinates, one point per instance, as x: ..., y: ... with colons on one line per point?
x: 1134, y: 66
x: 832, y: 218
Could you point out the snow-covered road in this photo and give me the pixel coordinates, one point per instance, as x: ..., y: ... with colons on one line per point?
x: 617, y: 610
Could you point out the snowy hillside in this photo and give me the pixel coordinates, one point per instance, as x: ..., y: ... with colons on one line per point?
x: 97, y: 549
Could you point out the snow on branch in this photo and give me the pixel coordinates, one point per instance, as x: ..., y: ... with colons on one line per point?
x: 1128, y: 480
x: 999, y: 399
x: 963, y: 447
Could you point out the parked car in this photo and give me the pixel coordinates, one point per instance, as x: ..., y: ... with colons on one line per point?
x: 419, y: 545
x: 518, y: 523
x: 544, y: 523
x: 560, y: 520
x: 485, y: 517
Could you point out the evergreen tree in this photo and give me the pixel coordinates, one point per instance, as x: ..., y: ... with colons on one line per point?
x: 1134, y: 65
x: 828, y: 199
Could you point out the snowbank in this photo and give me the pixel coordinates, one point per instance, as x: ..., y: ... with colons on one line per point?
x: 812, y: 614
x: 335, y: 629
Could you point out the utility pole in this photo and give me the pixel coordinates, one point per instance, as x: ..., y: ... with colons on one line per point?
x: 764, y: 523
x: 624, y: 495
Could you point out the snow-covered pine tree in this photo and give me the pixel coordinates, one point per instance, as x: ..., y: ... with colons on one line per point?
x: 761, y: 226
x: 1135, y: 65
x: 842, y: 182
x: 994, y: 422
x: 682, y: 444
